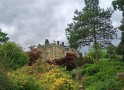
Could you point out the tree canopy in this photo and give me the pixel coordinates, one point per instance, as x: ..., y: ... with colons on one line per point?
x: 12, y: 56
x: 91, y: 25
x: 3, y: 37
x: 119, y: 4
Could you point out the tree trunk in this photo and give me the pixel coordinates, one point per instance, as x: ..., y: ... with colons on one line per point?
x: 95, y: 42
x: 96, y: 48
x: 123, y: 56
x: 96, y: 52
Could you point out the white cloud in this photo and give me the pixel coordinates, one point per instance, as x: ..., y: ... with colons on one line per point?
x: 10, y: 30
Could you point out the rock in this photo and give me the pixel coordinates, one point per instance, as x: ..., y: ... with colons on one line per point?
x: 120, y: 76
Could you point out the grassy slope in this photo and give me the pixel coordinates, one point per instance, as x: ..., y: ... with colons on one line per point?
x: 102, y: 75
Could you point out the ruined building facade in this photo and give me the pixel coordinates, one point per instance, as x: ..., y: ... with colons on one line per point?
x: 54, y: 50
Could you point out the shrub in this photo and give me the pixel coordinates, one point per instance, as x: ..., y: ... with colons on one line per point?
x: 5, y: 84
x: 42, y: 76
x: 101, y: 52
x: 79, y: 61
x: 12, y: 56
x: 23, y: 81
x: 69, y: 61
x: 91, y: 70
x: 57, y: 80
x: 103, y: 75
x: 34, y: 54
x: 111, y: 52
x: 82, y: 60
x: 88, y: 59
x: 110, y: 84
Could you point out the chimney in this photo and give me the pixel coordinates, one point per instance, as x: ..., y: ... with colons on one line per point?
x: 46, y: 42
x: 62, y: 43
x: 57, y: 42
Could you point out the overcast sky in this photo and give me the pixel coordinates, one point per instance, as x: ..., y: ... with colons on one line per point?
x: 30, y: 22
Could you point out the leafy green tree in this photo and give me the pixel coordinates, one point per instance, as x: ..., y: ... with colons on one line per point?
x: 12, y: 56
x: 3, y: 37
x: 120, y: 49
x: 111, y: 51
x: 101, y: 52
x: 91, y: 25
x: 80, y: 60
x: 119, y: 4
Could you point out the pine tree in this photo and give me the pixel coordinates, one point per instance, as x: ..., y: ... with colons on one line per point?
x: 119, y: 4
x: 91, y: 25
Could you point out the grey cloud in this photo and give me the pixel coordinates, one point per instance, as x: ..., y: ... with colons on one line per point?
x: 35, y: 20
x: 13, y: 9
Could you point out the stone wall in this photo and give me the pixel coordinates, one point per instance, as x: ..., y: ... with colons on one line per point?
x: 54, y: 50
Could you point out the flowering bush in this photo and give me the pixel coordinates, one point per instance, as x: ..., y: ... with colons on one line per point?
x: 42, y: 77
x: 58, y: 80
x: 23, y: 81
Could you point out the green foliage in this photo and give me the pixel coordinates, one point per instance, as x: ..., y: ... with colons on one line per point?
x: 119, y: 4
x: 111, y: 51
x: 12, y: 56
x: 3, y: 37
x: 91, y: 25
x: 81, y: 60
x: 42, y: 76
x: 5, y: 84
x: 110, y: 84
x: 101, y: 52
x: 91, y: 70
x: 22, y: 81
x: 88, y: 59
x: 120, y: 48
x: 103, y: 75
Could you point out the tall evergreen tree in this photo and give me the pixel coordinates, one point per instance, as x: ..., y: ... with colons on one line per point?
x: 91, y: 25
x: 119, y: 4
x: 3, y: 37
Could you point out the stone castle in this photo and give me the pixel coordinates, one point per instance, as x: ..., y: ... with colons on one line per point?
x: 55, y: 50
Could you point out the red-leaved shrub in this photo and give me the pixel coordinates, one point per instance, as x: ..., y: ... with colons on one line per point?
x: 68, y: 61
x: 34, y: 54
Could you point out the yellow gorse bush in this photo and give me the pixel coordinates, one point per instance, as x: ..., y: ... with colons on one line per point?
x: 44, y: 76
x: 58, y: 80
